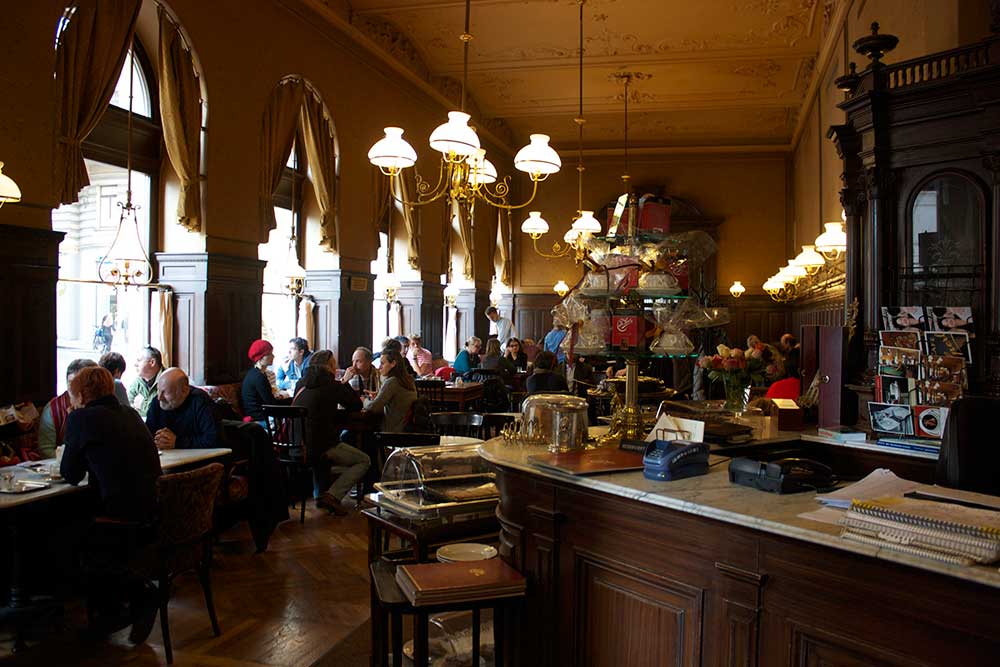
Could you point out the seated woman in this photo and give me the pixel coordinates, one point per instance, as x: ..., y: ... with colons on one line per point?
x: 397, y: 394
x: 531, y: 349
x: 259, y: 385
x: 468, y: 358
x: 493, y: 361
x: 544, y: 378
x: 516, y: 355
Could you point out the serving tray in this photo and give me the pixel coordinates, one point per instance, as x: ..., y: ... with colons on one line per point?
x: 25, y: 486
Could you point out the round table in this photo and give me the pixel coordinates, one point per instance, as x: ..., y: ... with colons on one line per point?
x: 460, y: 440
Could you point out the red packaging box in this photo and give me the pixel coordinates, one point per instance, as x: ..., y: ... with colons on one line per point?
x: 626, y: 330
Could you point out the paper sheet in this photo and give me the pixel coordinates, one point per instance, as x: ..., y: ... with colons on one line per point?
x: 678, y: 428
x: 829, y: 515
x: 879, y: 483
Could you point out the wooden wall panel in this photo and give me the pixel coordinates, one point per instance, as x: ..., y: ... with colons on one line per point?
x: 29, y: 266
x: 533, y: 317
x: 755, y: 314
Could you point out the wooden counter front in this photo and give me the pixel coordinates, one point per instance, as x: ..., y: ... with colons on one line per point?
x: 624, y: 571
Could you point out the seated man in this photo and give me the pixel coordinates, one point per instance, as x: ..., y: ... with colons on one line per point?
x: 115, y: 364
x: 182, y: 416
x: 328, y: 403
x: 398, y: 345
x: 109, y: 442
x: 52, y: 427
x: 544, y: 378
x: 142, y: 391
x: 295, y: 364
x: 420, y: 357
x: 362, y: 375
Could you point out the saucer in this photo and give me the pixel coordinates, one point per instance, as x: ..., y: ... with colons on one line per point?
x: 465, y: 551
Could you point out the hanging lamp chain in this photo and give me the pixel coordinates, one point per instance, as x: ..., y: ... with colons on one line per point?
x: 580, y: 120
x: 466, y: 37
x: 128, y: 147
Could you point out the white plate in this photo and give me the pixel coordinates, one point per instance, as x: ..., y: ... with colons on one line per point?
x: 464, y: 552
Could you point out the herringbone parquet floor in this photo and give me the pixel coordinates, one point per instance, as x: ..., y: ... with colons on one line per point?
x: 286, y: 607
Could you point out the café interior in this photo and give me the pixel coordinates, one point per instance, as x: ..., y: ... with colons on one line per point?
x: 686, y: 354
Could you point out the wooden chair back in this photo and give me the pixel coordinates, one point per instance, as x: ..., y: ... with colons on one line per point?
x: 468, y: 424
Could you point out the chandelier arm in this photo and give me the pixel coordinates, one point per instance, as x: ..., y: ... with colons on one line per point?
x: 498, y: 200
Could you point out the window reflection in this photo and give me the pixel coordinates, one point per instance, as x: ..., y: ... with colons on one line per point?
x: 947, y: 214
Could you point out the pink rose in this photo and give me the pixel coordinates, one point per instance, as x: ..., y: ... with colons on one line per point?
x: 757, y: 352
x: 731, y: 364
x: 736, y: 353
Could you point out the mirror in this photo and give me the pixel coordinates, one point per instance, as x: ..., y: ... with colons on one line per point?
x: 946, y: 225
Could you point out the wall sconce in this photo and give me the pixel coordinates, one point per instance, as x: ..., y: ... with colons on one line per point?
x: 451, y: 295
x: 391, y: 287
x: 737, y: 289
x: 561, y: 288
x: 495, y: 295
x: 8, y: 188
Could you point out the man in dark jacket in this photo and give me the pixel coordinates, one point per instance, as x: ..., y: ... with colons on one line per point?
x: 328, y: 403
x: 110, y: 442
x: 544, y: 378
x: 182, y: 416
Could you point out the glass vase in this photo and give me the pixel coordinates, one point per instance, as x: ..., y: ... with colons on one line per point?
x: 736, y: 393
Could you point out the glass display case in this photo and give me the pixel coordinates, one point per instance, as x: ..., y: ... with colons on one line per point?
x: 426, y: 482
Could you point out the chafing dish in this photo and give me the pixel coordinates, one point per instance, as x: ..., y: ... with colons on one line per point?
x: 555, y: 420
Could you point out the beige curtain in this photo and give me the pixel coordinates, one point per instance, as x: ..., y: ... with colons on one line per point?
x: 180, y: 110
x: 277, y: 135
x: 307, y: 322
x: 395, y: 319
x: 464, y: 216
x: 382, y: 207
x: 321, y: 152
x: 503, y: 245
x: 450, y: 350
x: 89, y: 58
x: 161, y: 321
x: 446, y: 236
x: 402, y: 190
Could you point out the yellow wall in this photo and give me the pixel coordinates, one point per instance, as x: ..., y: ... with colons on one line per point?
x: 746, y: 191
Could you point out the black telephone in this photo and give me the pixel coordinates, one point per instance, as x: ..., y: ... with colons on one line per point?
x: 790, y: 475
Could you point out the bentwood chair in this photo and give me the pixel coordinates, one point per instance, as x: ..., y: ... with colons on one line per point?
x: 433, y: 392
x: 184, y: 538
x: 286, y: 424
x: 467, y: 424
x: 493, y: 424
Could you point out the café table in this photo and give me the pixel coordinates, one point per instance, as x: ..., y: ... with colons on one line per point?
x: 462, y: 395
x: 21, y: 510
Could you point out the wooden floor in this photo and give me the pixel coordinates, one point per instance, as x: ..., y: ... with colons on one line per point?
x: 288, y: 606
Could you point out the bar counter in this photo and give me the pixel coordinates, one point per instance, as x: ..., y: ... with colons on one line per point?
x: 625, y: 570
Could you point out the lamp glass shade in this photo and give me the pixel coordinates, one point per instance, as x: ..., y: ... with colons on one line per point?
x: 737, y: 289
x: 451, y: 290
x: 392, y: 152
x: 560, y: 288
x: 571, y: 235
x: 8, y: 188
x: 455, y: 137
x: 292, y: 267
x: 538, y: 158
x: 535, y: 224
x: 793, y: 271
x: 808, y: 258
x: 481, y: 170
x: 587, y: 223
x: 833, y: 240
x: 390, y: 281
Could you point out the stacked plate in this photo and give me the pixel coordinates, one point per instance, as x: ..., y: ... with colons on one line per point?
x: 465, y: 552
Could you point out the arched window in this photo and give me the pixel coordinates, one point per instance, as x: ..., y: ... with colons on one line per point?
x: 92, y: 317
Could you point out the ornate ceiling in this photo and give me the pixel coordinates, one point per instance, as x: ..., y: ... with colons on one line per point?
x: 710, y: 72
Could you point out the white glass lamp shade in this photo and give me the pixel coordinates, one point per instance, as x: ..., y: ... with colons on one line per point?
x: 561, y: 288
x: 8, y: 188
x: 481, y: 170
x: 792, y: 271
x: 587, y: 223
x: 455, y: 137
x: 292, y: 267
x: 833, y: 241
x: 571, y: 235
x: 809, y: 259
x: 772, y: 285
x: 390, y: 281
x: 535, y: 225
x: 392, y: 152
x: 451, y: 291
x: 538, y: 158
x: 737, y: 289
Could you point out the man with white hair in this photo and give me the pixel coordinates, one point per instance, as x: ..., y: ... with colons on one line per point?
x: 182, y: 416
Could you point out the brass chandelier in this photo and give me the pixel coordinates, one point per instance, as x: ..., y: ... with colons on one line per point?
x: 465, y: 174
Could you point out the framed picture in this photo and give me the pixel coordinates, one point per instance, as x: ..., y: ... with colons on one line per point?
x: 894, y: 419
x: 898, y: 362
x: 931, y: 392
x: 907, y: 339
x: 904, y: 318
x: 950, y: 318
x: 929, y: 421
x: 942, y: 368
x: 948, y: 343
x: 896, y: 390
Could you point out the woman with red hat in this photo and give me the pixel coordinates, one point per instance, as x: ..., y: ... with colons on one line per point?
x: 260, y: 386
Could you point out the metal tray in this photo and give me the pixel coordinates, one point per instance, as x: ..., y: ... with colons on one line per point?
x: 25, y: 486
x: 433, y: 498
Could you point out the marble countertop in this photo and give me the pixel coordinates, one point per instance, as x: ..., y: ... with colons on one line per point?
x: 713, y: 496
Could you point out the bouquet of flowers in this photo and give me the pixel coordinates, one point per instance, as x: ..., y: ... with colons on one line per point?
x: 738, y: 369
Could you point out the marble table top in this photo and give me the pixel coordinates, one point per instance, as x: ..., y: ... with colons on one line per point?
x: 713, y: 496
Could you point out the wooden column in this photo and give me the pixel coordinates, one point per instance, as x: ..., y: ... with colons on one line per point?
x: 423, y: 311
x: 471, y: 304
x: 343, y: 309
x: 217, y: 312
x: 29, y: 268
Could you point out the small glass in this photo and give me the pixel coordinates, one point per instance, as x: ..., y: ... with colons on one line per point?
x: 7, y: 480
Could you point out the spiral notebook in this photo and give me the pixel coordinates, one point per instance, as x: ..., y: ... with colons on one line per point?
x: 947, y: 532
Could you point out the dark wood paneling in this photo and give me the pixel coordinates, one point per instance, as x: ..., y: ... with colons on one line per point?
x: 471, y: 305
x: 343, y: 315
x: 29, y: 267
x: 533, y: 314
x: 423, y: 311
x: 755, y: 314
